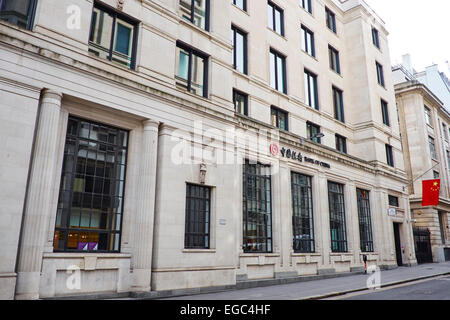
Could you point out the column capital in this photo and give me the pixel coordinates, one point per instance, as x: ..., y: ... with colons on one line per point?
x: 150, y: 125
x: 51, y: 96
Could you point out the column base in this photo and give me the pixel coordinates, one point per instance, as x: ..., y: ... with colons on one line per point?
x: 28, y: 285
x: 141, y: 280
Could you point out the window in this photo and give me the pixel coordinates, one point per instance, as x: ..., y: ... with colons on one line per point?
x: 442, y: 218
x: 113, y: 37
x: 257, y: 216
x: 385, y: 113
x: 241, y: 4
x: 196, y: 12
x: 444, y: 129
x: 278, y: 71
x: 312, y: 130
x: 338, y: 103
x: 375, y: 38
x: 308, y: 41
x: 341, y: 143
x: 448, y: 159
x: 428, y: 116
x: 337, y: 217
x: 389, y: 156
x: 306, y: 4
x: 18, y: 12
x: 380, y: 74
x: 334, y: 59
x: 365, y: 221
x: 240, y: 102
x: 90, y: 204
x: 393, y: 201
x: 275, y: 17
x: 435, y: 174
x: 239, y: 40
x: 331, y: 20
x: 311, y: 92
x: 192, y: 70
x: 302, y: 210
x: 279, y: 118
x: 432, y: 147
x: 198, y: 210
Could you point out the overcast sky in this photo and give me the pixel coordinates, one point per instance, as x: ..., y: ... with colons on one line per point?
x: 420, y: 28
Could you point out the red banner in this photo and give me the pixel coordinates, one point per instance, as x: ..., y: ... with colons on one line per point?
x: 430, y: 192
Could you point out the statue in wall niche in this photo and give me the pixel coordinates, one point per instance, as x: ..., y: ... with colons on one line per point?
x: 120, y: 4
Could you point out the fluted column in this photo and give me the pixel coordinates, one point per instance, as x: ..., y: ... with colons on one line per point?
x: 142, y: 265
x: 38, y: 201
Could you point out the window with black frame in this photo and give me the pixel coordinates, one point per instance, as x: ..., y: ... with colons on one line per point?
x: 308, y: 41
x: 198, y: 211
x: 389, y: 155
x: 241, y: 4
x: 306, y: 4
x: 341, y: 143
x: 257, y: 205
x: 331, y: 20
x: 338, y: 103
x: 240, y: 100
x: 278, y: 77
x: 113, y: 36
x: 279, y: 118
x: 337, y: 217
x: 385, y: 113
x: 90, y: 205
x: 375, y: 38
x: 191, y: 70
x: 311, y: 90
x: 334, y: 59
x: 313, y: 131
x: 365, y: 220
x: 302, y: 213
x: 239, y: 41
x: 18, y: 12
x: 275, y: 17
x: 380, y: 74
x: 196, y: 12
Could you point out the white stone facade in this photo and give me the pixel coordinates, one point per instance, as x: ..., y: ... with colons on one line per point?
x: 47, y: 74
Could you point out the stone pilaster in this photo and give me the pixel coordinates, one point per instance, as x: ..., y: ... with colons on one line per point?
x: 40, y: 194
x: 142, y: 265
x: 323, y: 221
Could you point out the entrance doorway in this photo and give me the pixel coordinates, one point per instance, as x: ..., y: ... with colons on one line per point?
x: 398, y: 247
x: 422, y: 245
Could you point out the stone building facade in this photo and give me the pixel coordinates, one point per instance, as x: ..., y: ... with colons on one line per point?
x: 173, y: 144
x: 425, y: 129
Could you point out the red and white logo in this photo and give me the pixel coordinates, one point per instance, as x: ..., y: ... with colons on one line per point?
x: 274, y: 149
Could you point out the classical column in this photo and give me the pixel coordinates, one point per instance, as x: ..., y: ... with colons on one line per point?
x: 142, y: 266
x: 40, y: 193
x: 323, y: 221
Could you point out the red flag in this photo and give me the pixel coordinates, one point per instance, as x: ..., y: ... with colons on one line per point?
x: 430, y: 192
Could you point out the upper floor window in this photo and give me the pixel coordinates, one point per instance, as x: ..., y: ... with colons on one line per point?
x: 385, y: 112
x: 113, y: 36
x: 275, y: 18
x: 91, y: 195
x: 239, y: 40
x: 331, y: 20
x: 338, y: 103
x: 241, y: 4
x: 240, y: 102
x: 306, y: 4
x: 312, y: 132
x: 432, y: 147
x: 311, y: 92
x: 334, y: 59
x: 380, y: 74
x: 192, y: 70
x: 444, y: 129
x: 278, y: 71
x: 18, y: 12
x: 196, y: 12
x: 375, y: 38
x: 341, y: 144
x: 389, y: 155
x: 428, y: 116
x: 279, y: 118
x: 308, y: 41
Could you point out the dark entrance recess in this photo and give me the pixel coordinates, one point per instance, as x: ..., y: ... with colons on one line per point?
x: 398, y: 249
x: 422, y: 245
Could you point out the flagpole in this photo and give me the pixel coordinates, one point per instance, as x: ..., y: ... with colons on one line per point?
x: 420, y: 176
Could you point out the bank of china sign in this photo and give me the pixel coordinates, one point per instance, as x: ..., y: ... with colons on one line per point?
x: 295, y: 155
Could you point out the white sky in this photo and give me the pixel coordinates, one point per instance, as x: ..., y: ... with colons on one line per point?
x: 420, y: 28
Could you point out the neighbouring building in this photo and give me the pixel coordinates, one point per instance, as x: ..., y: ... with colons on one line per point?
x: 178, y: 144
x: 423, y: 101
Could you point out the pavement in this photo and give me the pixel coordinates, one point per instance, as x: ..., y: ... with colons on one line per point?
x: 325, y: 288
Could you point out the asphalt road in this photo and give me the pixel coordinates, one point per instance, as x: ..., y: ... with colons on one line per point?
x: 430, y: 289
